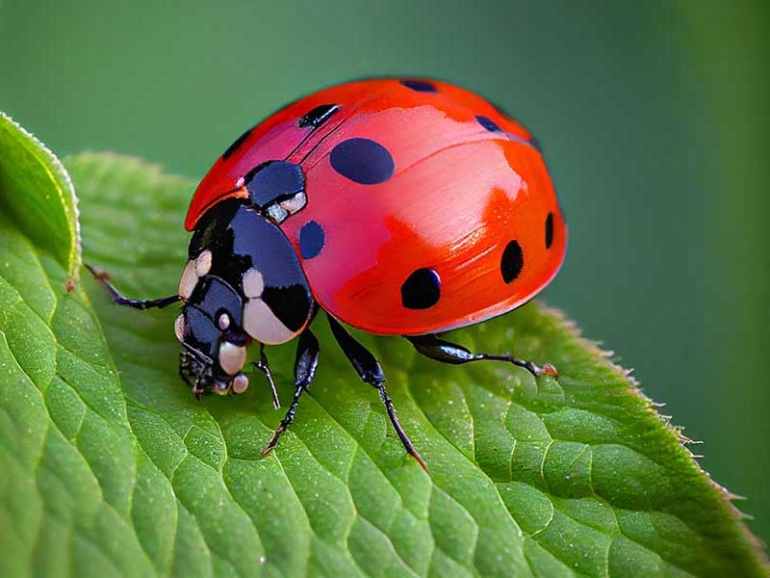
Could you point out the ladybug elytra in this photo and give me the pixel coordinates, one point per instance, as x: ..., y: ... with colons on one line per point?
x: 399, y: 207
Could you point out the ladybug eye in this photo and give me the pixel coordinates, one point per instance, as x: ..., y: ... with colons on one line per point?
x: 223, y: 321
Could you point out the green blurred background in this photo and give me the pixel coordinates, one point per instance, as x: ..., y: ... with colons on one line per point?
x: 653, y: 116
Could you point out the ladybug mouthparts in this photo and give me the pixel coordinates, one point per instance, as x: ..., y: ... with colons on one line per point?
x: 200, y: 374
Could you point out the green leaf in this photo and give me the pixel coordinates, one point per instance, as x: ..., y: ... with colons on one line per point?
x: 37, y: 193
x: 110, y: 466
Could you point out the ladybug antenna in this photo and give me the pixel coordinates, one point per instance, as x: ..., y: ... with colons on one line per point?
x: 201, y: 358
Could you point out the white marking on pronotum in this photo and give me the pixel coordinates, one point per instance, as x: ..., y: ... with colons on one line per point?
x: 223, y: 321
x: 253, y: 284
x: 231, y: 357
x: 277, y: 213
x: 188, y: 281
x: 294, y: 203
x: 179, y: 327
x: 260, y: 322
x: 203, y: 263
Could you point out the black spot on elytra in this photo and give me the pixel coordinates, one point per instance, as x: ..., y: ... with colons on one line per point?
x: 311, y: 239
x: 362, y: 160
x: 420, y: 85
x: 512, y: 261
x: 236, y: 145
x: 317, y: 116
x: 291, y: 305
x: 421, y: 290
x: 488, y: 124
x: 272, y: 180
x: 549, y: 231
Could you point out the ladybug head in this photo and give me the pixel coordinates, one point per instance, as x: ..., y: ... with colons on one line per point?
x: 214, y: 342
x: 243, y: 282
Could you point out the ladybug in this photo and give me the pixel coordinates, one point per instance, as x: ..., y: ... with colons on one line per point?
x: 396, y: 206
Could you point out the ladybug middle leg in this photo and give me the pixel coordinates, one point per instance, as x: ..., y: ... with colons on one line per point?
x: 447, y: 352
x: 370, y: 371
x: 305, y: 365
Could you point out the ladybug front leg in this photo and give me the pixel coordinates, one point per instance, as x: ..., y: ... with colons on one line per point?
x: 103, y: 278
x: 264, y: 366
x: 370, y: 371
x: 305, y: 365
x: 447, y: 352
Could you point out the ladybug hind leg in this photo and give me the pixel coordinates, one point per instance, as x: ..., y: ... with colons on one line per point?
x: 370, y: 371
x: 305, y: 366
x: 446, y: 352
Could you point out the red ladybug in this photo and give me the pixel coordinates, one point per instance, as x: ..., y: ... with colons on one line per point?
x: 399, y: 207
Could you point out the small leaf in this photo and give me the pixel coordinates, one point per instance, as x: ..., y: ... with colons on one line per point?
x: 110, y: 466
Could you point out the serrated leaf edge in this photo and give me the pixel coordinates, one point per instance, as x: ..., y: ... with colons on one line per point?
x: 67, y: 197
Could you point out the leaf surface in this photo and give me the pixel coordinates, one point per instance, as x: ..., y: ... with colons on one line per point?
x: 112, y: 466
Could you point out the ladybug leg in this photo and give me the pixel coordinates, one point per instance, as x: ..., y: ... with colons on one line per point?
x: 370, y: 371
x: 264, y: 366
x: 103, y: 278
x: 305, y: 365
x: 446, y: 352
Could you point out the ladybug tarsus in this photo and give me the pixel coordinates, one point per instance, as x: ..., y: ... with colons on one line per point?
x: 446, y: 352
x: 274, y: 440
